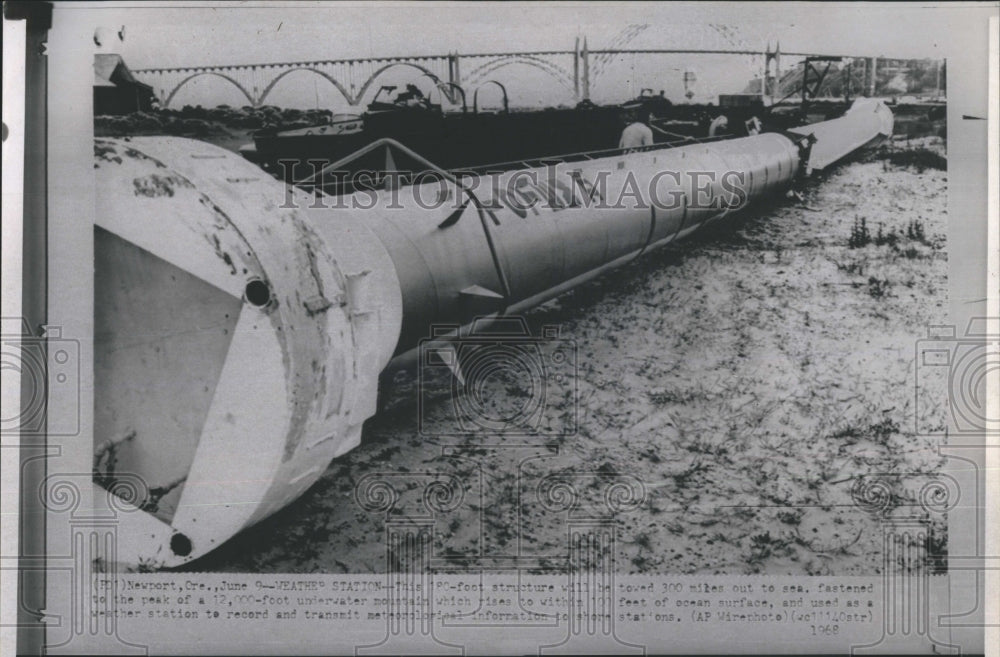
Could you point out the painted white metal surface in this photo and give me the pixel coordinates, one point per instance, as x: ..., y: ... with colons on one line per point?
x: 295, y: 308
x: 557, y: 225
x: 318, y: 316
x: 867, y: 121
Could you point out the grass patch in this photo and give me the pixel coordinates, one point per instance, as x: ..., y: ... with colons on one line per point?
x: 920, y: 159
x: 879, y: 288
x: 880, y: 432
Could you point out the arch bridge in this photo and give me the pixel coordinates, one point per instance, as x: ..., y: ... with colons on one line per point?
x: 574, y: 70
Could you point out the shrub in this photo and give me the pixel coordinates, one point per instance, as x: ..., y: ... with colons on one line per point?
x: 878, y: 288
x: 859, y: 234
x: 882, y: 238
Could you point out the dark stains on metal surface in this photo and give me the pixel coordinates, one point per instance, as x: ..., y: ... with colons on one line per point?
x: 131, y: 152
x: 222, y: 219
x: 308, y: 384
x: 217, y: 245
x: 152, y: 502
x: 105, y: 477
x: 229, y: 261
x: 105, y: 151
x: 155, y: 185
x: 316, y: 304
x: 313, y: 269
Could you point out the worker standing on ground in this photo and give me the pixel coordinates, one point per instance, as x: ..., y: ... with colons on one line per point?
x: 638, y: 133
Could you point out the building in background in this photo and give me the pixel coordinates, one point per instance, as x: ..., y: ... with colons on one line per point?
x: 116, y: 91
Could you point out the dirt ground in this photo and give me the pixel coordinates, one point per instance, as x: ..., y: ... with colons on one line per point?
x: 739, y: 386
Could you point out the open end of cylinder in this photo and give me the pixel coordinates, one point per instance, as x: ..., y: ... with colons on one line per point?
x: 161, y: 338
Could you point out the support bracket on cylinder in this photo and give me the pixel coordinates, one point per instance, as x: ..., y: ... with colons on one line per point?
x: 484, y: 211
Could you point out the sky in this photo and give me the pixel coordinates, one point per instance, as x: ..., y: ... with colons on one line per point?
x: 163, y: 35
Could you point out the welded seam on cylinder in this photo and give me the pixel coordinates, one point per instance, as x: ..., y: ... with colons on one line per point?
x: 652, y: 230
x: 684, y: 218
x: 497, y: 264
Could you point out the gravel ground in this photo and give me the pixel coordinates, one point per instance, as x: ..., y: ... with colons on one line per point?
x: 740, y: 383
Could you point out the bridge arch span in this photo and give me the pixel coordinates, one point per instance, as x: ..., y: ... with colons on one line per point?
x: 182, y: 83
x: 561, y: 76
x: 343, y: 91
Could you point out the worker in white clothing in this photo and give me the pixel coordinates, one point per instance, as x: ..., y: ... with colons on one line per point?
x: 638, y: 133
x: 719, y: 126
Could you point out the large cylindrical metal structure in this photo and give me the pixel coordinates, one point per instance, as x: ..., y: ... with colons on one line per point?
x: 552, y: 227
x: 241, y: 325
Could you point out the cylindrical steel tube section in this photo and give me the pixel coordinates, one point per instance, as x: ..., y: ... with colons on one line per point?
x: 560, y: 223
x: 868, y: 120
x: 241, y: 326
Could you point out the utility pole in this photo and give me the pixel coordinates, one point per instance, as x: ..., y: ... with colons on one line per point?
x: 847, y: 80
x: 763, y: 77
x: 454, y: 75
x: 576, y: 70
x: 776, y: 89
